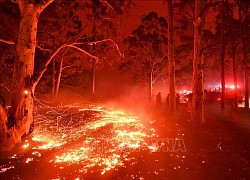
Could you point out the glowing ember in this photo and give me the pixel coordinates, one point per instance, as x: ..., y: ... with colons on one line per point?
x: 91, y: 136
x: 28, y: 160
x: 26, y: 145
x: 2, y: 170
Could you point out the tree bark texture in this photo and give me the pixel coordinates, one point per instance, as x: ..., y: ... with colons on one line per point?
x: 197, y: 110
x: 243, y: 29
x: 21, y: 112
x: 20, y: 116
x: 223, y: 49
x: 171, y: 61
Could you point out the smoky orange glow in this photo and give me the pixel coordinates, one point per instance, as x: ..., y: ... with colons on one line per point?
x: 124, y: 89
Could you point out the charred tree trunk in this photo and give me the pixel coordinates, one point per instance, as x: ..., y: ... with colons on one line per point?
x: 171, y: 61
x: 235, y: 76
x: 223, y: 49
x: 20, y: 119
x: 197, y: 110
x: 59, y: 78
x: 246, y: 80
x: 93, y: 77
x: 244, y: 27
x: 223, y: 73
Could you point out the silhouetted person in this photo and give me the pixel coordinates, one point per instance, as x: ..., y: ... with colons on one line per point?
x: 158, y: 100
x: 190, y: 98
x: 167, y: 100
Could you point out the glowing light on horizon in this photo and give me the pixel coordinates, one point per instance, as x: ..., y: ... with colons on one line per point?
x: 232, y: 87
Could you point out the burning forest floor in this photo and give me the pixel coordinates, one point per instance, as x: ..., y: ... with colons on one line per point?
x: 91, y: 141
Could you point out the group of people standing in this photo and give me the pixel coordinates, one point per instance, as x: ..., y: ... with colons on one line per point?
x: 159, y: 100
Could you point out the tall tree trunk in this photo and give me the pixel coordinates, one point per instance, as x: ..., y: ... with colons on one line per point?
x: 171, y: 61
x: 93, y: 77
x: 246, y: 80
x: 59, y: 77
x: 235, y: 76
x: 223, y: 73
x: 197, y: 110
x: 21, y: 113
x: 223, y: 48
x: 20, y: 119
x: 53, y: 78
x: 244, y: 27
x: 246, y: 77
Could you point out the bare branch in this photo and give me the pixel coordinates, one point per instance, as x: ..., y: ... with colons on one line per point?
x: 156, y: 62
x: 7, y: 42
x: 65, y: 67
x: 44, y: 4
x: 159, y: 75
x: 105, y: 2
x: 156, y: 58
x: 6, y: 88
x: 14, y: 1
x: 39, y: 76
x: 43, y: 49
x: 102, y: 41
x: 83, y: 51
